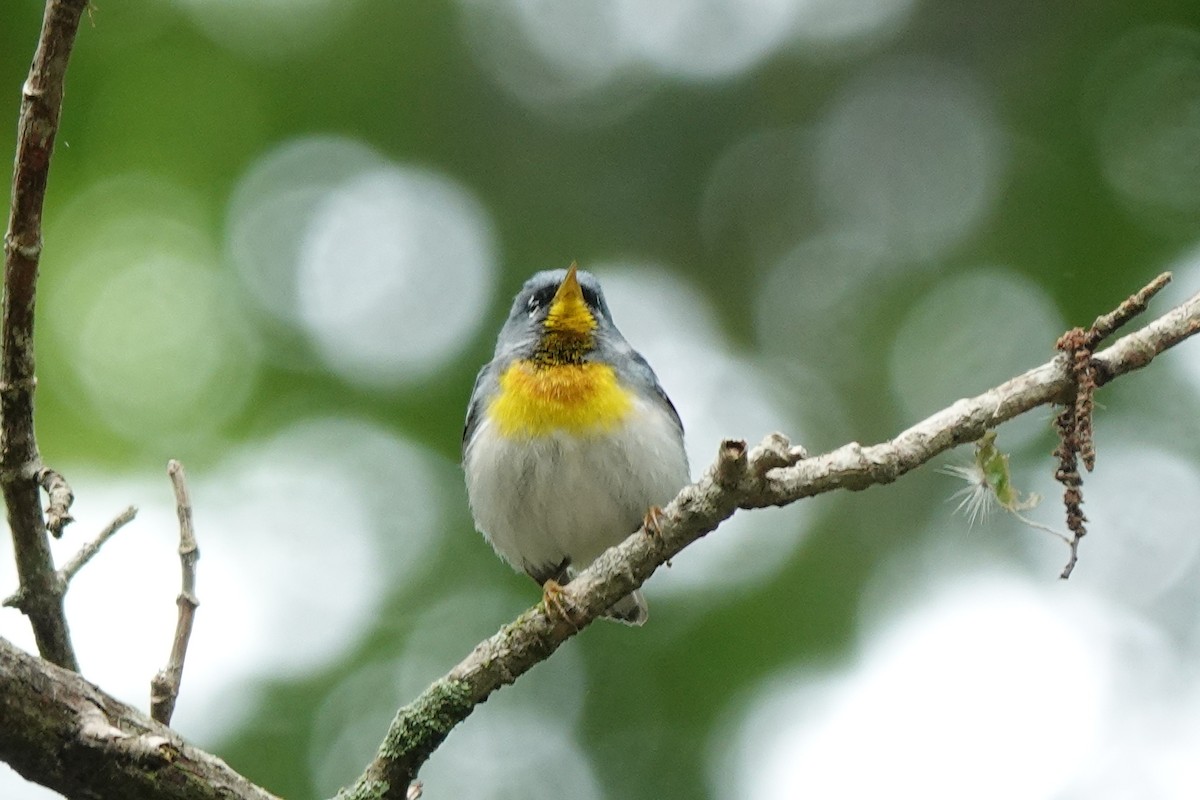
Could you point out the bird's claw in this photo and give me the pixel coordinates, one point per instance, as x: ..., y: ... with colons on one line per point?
x: 652, y: 522
x: 558, y: 606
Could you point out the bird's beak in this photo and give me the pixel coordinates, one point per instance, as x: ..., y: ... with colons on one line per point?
x: 568, y: 311
x: 568, y: 290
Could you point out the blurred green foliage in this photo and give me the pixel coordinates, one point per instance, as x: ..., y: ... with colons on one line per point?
x: 148, y: 92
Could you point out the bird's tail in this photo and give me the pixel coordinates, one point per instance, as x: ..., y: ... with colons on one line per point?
x: 630, y: 609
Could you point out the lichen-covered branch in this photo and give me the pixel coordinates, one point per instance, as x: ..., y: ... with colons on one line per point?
x: 20, y: 464
x: 774, y: 473
x: 66, y: 734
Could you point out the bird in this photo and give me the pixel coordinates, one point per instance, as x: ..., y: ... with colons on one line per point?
x: 570, y: 442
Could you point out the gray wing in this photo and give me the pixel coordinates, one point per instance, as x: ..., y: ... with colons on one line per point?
x: 643, y: 370
x: 474, y: 408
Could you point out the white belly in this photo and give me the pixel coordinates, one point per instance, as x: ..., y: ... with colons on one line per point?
x: 548, y: 499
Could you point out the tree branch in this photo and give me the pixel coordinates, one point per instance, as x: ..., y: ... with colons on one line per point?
x: 64, y: 733
x: 78, y: 561
x: 89, y: 550
x: 41, y: 592
x: 772, y: 474
x: 164, y: 688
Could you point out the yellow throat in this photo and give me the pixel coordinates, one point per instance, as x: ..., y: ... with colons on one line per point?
x: 557, y: 389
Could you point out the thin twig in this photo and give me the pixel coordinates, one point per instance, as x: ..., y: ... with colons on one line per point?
x: 164, y: 688
x: 77, y: 562
x: 772, y: 474
x: 1074, y: 423
x: 1024, y: 520
x: 58, y: 511
x: 1107, y: 324
x: 90, y: 549
x: 41, y: 103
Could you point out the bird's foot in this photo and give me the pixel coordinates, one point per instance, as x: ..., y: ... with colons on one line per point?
x: 652, y: 522
x: 558, y: 606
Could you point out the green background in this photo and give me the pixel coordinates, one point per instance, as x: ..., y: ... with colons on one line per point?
x: 150, y: 95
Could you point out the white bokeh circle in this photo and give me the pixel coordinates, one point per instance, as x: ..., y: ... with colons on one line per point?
x: 568, y: 60
x: 152, y: 328
x: 385, y: 269
x: 1142, y: 503
x: 396, y: 268
x: 958, y: 687
x: 270, y: 30
x: 970, y: 332
x: 272, y: 206
x: 915, y: 155
x: 1146, y: 93
x: 706, y: 39
x: 841, y: 24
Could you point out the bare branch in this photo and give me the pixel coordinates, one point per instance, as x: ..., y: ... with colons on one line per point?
x: 41, y: 101
x: 164, y: 689
x: 90, y: 549
x: 64, y: 733
x: 1107, y: 324
x: 856, y: 467
x: 772, y: 474
x: 86, y: 553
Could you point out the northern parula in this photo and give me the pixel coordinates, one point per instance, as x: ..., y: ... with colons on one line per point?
x: 570, y: 441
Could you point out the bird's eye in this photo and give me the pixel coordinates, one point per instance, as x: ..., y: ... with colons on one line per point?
x: 539, y: 300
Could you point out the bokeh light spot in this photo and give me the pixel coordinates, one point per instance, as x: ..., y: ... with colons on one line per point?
x: 758, y: 198
x: 1142, y: 506
x: 593, y: 61
x: 352, y: 719
x: 1147, y: 90
x: 151, y: 326
x: 396, y: 269
x: 706, y: 39
x: 915, y: 155
x: 835, y: 24
x: 269, y: 29
x: 526, y: 753
x: 1186, y: 269
x: 272, y: 207
x: 810, y: 306
x: 969, y: 333
x: 386, y: 269
x: 957, y: 696
x: 566, y: 59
